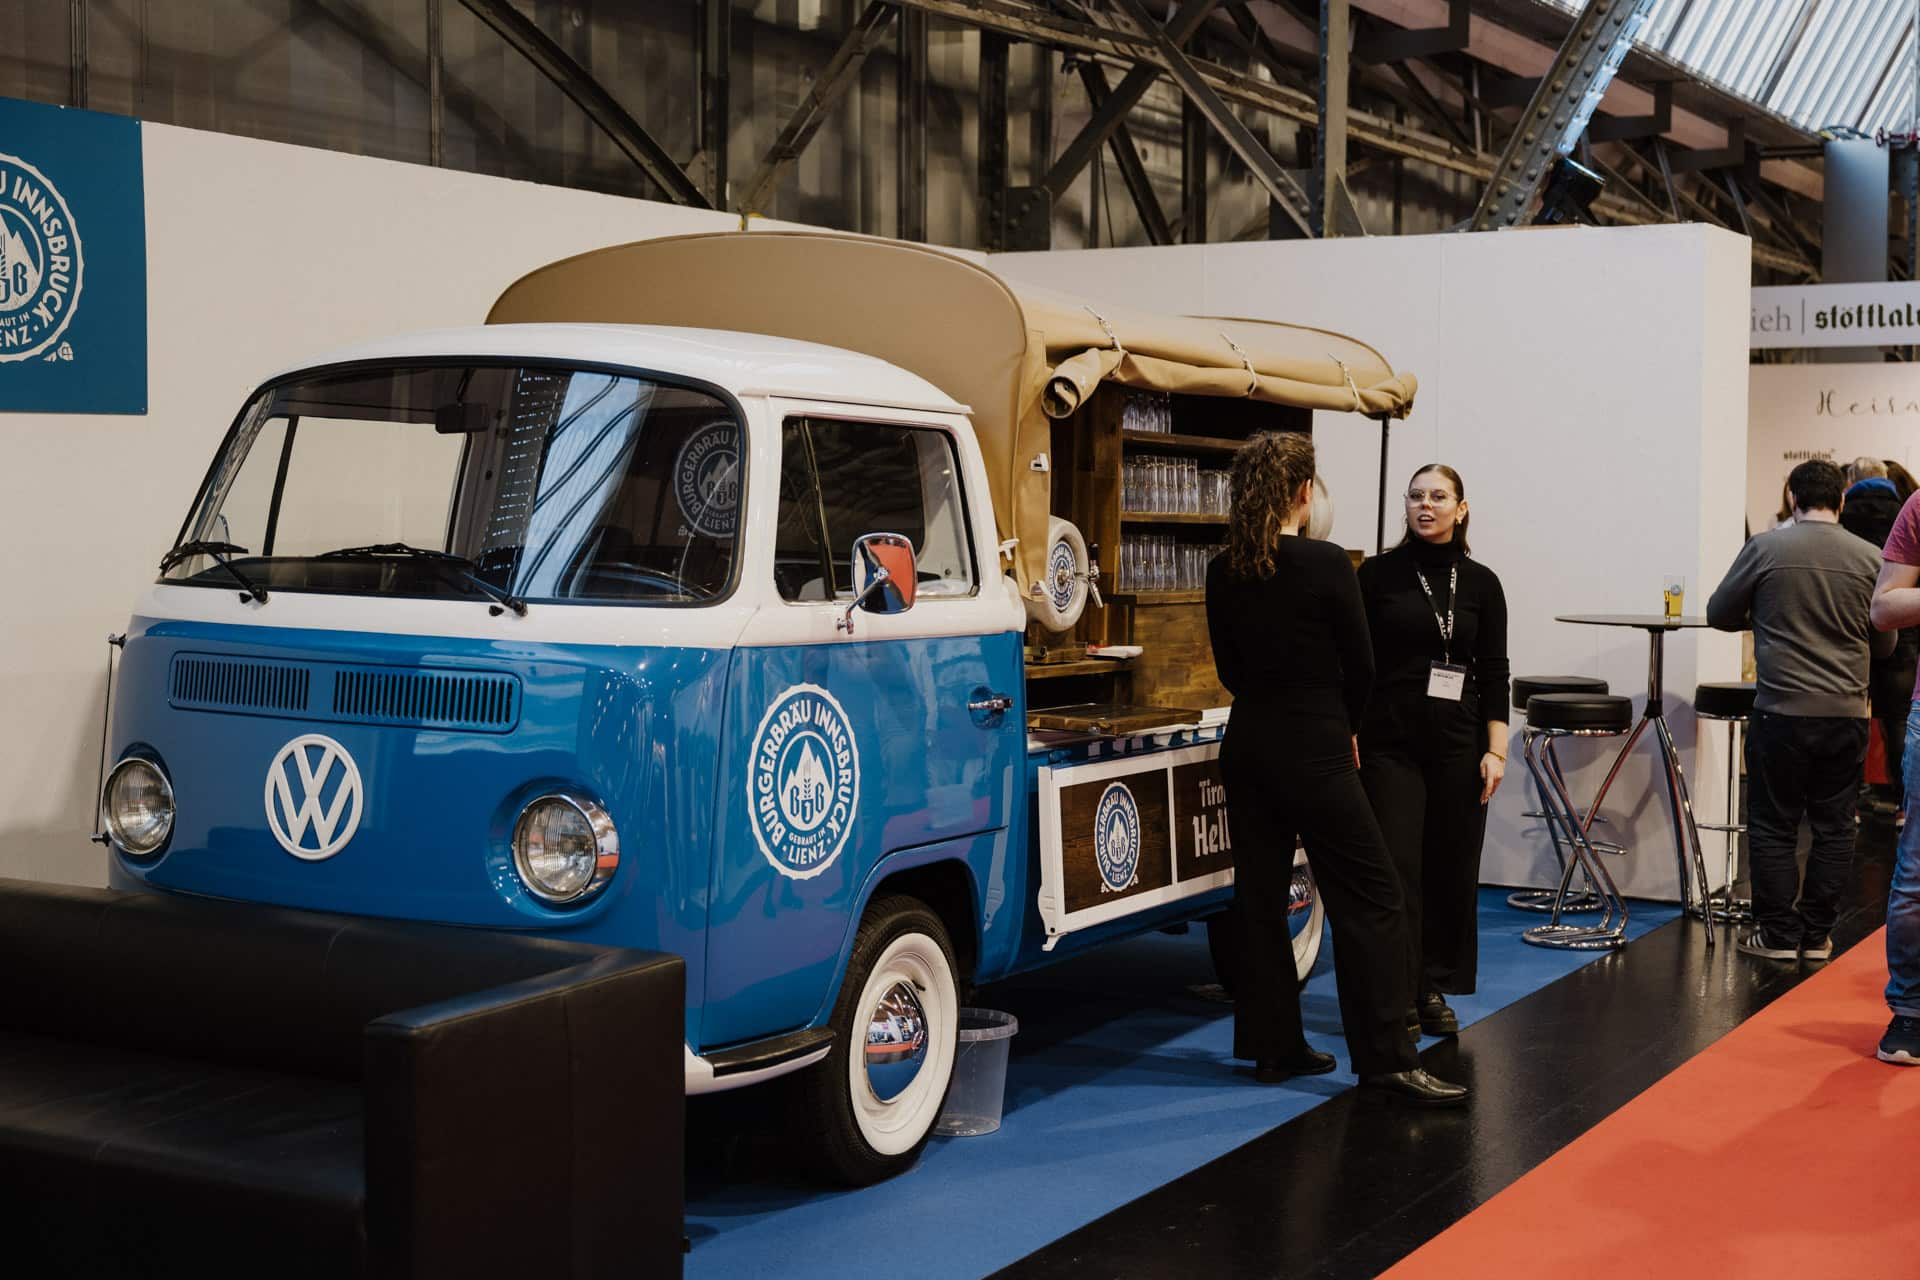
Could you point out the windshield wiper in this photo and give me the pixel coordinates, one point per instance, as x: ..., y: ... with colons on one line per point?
x: 454, y: 566
x: 218, y: 553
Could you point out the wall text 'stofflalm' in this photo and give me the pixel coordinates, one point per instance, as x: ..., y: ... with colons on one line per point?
x: 1835, y: 315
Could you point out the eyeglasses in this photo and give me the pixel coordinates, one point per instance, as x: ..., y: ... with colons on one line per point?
x: 1440, y: 497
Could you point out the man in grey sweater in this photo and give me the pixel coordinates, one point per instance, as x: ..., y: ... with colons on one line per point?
x: 1806, y: 591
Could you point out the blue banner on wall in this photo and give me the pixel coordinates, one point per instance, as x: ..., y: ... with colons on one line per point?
x: 73, y: 262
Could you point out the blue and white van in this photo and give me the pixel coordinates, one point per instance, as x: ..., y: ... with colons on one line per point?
x: 660, y: 637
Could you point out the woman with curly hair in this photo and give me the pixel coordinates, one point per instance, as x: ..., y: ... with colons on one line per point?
x: 1290, y: 643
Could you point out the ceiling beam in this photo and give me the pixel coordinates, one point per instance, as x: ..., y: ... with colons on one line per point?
x: 1133, y: 172
x: 1552, y: 122
x: 590, y: 96
x: 1279, y: 184
x: 1362, y: 128
x: 1521, y: 55
x: 840, y: 74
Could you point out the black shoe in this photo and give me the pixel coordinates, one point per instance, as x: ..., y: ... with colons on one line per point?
x: 1757, y: 943
x: 1413, y: 1023
x: 1436, y: 1019
x: 1307, y: 1062
x: 1417, y: 1088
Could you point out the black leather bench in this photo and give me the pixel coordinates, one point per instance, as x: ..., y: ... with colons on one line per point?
x: 191, y: 1087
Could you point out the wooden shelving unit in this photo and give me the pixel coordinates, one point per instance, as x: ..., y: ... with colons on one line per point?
x: 1090, y: 452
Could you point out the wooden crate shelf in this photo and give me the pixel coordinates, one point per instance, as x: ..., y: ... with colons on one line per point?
x: 1142, y: 599
x: 1081, y: 667
x: 1169, y: 517
x: 1168, y: 442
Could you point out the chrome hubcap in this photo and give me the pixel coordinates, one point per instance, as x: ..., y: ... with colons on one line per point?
x: 1300, y: 894
x: 896, y: 1041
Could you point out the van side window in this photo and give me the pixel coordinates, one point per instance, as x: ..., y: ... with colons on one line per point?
x: 839, y: 480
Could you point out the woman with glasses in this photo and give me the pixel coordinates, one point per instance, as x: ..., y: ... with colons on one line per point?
x: 1290, y: 643
x: 1433, y: 742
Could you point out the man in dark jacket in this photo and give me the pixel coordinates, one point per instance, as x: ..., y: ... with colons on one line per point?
x: 1868, y: 511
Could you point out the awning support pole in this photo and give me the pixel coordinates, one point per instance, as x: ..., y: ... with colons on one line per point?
x: 1380, y: 538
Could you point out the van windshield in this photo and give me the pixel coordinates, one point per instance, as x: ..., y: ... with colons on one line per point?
x: 545, y: 482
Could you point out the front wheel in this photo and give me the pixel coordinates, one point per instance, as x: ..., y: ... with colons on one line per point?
x: 870, y: 1104
x: 1306, y: 922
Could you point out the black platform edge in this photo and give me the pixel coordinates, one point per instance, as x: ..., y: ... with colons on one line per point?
x: 1357, y: 1183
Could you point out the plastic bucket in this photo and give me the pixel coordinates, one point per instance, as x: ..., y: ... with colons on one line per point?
x: 979, y: 1085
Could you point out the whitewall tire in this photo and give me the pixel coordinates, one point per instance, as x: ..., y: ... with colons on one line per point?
x: 1306, y: 940
x: 872, y: 1101
x: 1063, y: 595
x: 1307, y: 924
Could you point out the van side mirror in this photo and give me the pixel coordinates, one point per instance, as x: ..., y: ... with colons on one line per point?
x: 462, y: 418
x: 884, y: 576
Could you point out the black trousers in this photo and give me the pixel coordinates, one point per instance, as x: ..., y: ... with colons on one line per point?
x: 1893, y: 734
x: 1801, y: 766
x: 1891, y: 683
x: 1293, y: 778
x: 1428, y: 804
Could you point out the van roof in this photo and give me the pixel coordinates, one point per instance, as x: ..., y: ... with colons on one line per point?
x: 742, y: 363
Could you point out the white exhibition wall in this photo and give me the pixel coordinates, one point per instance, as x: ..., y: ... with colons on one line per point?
x: 1590, y: 386
x: 1834, y: 411
x: 261, y: 255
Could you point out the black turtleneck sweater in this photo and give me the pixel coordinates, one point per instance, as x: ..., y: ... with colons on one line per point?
x: 1296, y: 640
x: 1406, y: 643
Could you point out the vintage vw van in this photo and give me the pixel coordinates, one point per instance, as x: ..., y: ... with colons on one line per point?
x: 694, y: 639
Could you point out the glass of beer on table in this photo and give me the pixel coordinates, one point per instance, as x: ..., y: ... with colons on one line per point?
x: 1674, y: 592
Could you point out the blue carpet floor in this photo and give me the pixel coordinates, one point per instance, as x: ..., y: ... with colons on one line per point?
x: 1119, y: 1082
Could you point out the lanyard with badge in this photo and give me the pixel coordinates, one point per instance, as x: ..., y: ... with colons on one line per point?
x: 1445, y: 680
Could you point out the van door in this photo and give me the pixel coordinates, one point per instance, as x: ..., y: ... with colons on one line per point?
x: 840, y: 749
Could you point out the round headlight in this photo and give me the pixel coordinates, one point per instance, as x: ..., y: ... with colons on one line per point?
x: 138, y: 806
x: 564, y: 848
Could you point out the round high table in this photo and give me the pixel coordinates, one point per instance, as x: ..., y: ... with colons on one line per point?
x: 1694, y: 893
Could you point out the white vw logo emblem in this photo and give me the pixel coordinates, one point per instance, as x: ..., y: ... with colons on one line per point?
x: 310, y: 762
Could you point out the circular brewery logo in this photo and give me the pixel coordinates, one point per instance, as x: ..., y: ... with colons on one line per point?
x: 1116, y: 837
x: 803, y: 781
x: 40, y: 265
x: 706, y: 480
x: 1062, y: 574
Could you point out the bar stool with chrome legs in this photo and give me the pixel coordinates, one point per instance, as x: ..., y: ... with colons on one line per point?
x: 1732, y: 703
x: 1525, y: 687
x: 1554, y: 716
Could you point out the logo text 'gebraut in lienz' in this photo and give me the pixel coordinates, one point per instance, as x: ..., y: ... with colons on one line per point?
x: 40, y: 261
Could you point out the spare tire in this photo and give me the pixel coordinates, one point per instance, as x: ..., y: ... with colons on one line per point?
x: 1320, y: 514
x: 1064, y: 592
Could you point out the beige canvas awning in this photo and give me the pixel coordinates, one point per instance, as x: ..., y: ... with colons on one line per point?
x: 1015, y: 354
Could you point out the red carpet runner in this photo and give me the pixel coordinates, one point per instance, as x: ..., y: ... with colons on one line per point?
x: 1785, y: 1149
